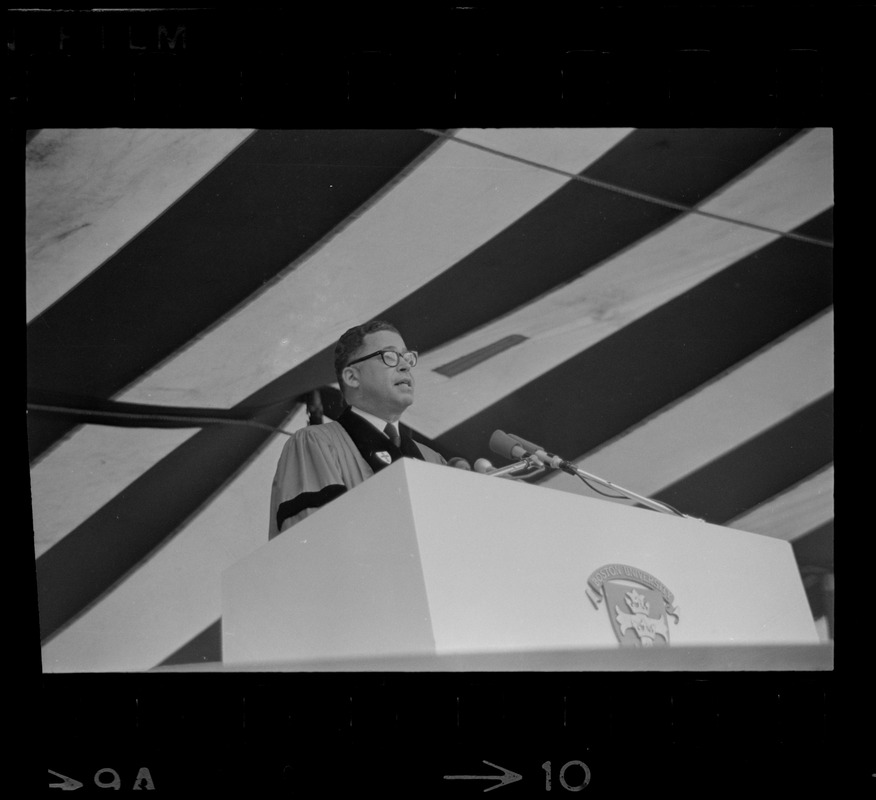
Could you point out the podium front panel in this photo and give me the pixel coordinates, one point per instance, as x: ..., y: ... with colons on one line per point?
x: 423, y: 559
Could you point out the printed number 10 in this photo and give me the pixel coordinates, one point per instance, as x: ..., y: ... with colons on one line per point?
x: 569, y: 787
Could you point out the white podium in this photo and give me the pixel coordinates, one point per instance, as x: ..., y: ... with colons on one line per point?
x: 427, y: 560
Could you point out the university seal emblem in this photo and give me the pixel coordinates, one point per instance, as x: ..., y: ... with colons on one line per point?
x: 638, y: 604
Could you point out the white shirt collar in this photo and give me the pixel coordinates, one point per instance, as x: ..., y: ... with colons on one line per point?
x: 377, y: 422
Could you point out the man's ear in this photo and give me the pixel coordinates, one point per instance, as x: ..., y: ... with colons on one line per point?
x: 350, y: 377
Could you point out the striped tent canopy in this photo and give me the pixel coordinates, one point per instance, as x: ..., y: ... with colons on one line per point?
x: 653, y: 304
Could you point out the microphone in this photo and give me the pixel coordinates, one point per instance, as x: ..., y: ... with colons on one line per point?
x: 510, y: 446
x: 483, y: 466
x: 504, y: 445
x: 550, y: 459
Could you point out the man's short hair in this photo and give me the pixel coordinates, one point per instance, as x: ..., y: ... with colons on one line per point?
x: 352, y: 340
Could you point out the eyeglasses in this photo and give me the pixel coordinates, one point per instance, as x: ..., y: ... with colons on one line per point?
x: 390, y: 357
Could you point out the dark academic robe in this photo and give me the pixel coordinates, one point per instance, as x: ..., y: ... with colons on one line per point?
x: 321, y: 462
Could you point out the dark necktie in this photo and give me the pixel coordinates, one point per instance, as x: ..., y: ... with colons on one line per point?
x: 391, y: 431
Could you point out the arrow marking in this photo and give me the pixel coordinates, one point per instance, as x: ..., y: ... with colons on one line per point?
x: 68, y: 785
x: 507, y: 777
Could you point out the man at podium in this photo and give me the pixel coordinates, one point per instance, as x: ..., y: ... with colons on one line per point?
x: 320, y: 462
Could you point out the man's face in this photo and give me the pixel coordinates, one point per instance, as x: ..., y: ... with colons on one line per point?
x: 384, y: 391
